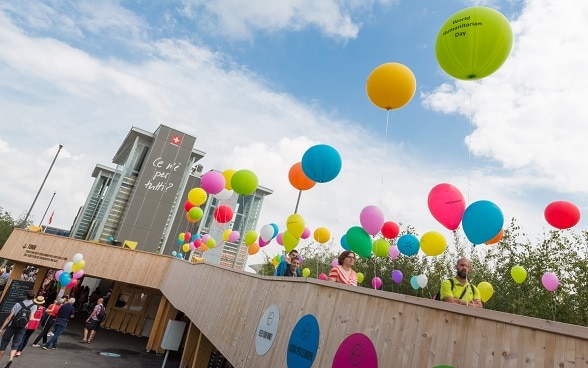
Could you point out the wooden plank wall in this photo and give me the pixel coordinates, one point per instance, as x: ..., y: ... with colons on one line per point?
x: 226, y: 305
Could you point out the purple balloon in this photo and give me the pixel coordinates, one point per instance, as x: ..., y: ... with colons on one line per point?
x: 397, y: 276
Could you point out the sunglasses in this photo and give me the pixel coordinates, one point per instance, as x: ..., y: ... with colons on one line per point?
x: 352, y: 257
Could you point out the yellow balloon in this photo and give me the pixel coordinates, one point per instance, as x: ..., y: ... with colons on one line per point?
x: 289, y: 241
x: 275, y: 263
x: 186, y: 247
x: 306, y: 272
x: 519, y: 274
x: 226, y: 234
x: 322, y: 235
x: 228, y: 174
x: 433, y: 243
x: 391, y: 86
x: 295, y: 225
x: 486, y: 290
x: 78, y: 265
x: 197, y: 196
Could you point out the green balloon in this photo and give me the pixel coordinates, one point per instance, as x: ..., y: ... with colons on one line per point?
x: 244, y: 182
x: 381, y: 247
x: 359, y: 241
x: 473, y: 43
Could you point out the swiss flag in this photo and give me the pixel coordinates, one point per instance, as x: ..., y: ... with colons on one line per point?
x: 176, y: 140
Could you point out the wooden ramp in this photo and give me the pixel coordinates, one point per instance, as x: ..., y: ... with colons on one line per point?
x: 257, y: 321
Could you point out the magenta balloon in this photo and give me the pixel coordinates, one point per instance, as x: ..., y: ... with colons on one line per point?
x: 262, y: 243
x: 305, y: 233
x: 376, y: 282
x: 371, y: 219
x: 447, y: 205
x: 397, y: 276
x: 279, y: 238
x: 322, y: 276
x: 213, y: 182
x: 550, y: 281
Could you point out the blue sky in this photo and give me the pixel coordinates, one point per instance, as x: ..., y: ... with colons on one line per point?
x: 259, y: 82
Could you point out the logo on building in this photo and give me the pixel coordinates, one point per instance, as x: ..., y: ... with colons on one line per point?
x: 176, y: 140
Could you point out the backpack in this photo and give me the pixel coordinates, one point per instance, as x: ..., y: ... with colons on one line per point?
x: 22, y: 317
x: 101, y: 316
x: 438, y: 295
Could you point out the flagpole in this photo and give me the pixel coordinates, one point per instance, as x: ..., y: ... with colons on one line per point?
x: 24, y: 223
x: 47, y: 210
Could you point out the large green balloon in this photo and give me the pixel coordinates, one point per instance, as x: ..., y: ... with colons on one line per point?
x: 244, y: 182
x: 359, y: 241
x: 473, y: 43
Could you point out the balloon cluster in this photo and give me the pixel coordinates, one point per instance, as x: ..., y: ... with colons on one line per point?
x: 419, y: 281
x: 359, y: 238
x: 72, y: 271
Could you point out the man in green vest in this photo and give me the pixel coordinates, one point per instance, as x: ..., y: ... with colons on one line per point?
x: 458, y: 289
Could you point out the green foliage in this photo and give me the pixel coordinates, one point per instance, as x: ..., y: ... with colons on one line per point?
x: 7, y: 223
x: 562, y: 252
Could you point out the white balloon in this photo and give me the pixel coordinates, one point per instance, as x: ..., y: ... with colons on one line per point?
x: 77, y: 257
x: 224, y: 195
x: 422, y: 280
x: 266, y: 233
x: 68, y: 267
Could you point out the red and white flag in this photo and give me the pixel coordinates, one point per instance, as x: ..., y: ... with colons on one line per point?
x: 51, y: 217
x: 176, y: 140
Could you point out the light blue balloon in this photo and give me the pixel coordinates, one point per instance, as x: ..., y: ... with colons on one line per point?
x: 194, y: 237
x: 414, y: 283
x: 344, y: 243
x: 174, y: 253
x: 180, y: 241
x: 64, y: 278
x: 276, y: 230
x: 408, y: 245
x: 482, y: 221
x: 321, y: 163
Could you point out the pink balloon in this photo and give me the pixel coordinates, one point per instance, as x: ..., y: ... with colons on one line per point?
x: 192, y: 245
x: 322, y: 276
x: 393, y: 252
x: 187, y: 236
x: 197, y: 243
x: 550, y: 281
x: 233, y: 236
x: 371, y: 219
x: 205, y: 238
x: 213, y: 182
x: 78, y: 274
x: 57, y: 274
x: 279, y: 238
x: 376, y: 282
x: 447, y: 205
x: 305, y: 233
x: 262, y: 243
x: 335, y: 262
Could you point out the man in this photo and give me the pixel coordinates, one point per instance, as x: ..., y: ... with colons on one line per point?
x: 285, y: 263
x: 93, y: 322
x: 458, y: 289
x: 9, y: 329
x: 292, y: 270
x: 64, y: 314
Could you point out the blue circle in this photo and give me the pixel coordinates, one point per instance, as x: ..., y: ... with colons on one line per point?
x: 321, y: 163
x: 303, y: 343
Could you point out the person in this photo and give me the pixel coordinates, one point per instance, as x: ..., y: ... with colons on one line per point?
x: 292, y: 270
x: 343, y: 273
x: 33, y: 323
x: 49, y: 320
x: 9, y: 331
x: 458, y: 289
x: 65, y: 313
x: 93, y: 322
x: 285, y: 263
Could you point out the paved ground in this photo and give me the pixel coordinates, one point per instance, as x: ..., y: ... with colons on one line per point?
x: 70, y: 353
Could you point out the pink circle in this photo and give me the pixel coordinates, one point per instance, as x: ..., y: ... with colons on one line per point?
x: 356, y: 351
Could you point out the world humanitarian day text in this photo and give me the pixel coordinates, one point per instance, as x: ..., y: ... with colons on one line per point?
x: 463, y: 25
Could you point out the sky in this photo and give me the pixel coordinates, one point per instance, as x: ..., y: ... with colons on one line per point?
x: 259, y: 82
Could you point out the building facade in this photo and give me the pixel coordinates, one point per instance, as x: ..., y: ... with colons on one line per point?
x: 139, y: 204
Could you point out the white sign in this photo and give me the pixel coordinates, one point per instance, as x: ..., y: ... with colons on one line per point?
x: 172, y: 338
x: 267, y: 329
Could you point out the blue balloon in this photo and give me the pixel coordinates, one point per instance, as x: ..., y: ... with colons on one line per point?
x: 64, y: 278
x: 276, y: 230
x: 174, y: 253
x: 110, y: 239
x: 344, y: 243
x: 408, y: 245
x: 414, y: 283
x: 180, y: 241
x: 482, y: 221
x: 321, y: 163
x: 194, y: 237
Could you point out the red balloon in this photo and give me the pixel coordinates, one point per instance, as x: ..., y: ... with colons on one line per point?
x: 390, y: 230
x: 447, y: 205
x: 562, y: 214
x: 188, y: 205
x: 223, y: 214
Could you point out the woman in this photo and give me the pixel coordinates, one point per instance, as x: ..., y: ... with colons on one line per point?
x: 33, y: 323
x: 343, y: 273
x: 49, y: 317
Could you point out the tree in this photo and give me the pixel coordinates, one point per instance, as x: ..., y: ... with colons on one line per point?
x: 7, y: 224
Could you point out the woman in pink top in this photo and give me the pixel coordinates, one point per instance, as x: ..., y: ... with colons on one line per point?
x: 33, y: 323
x: 343, y: 273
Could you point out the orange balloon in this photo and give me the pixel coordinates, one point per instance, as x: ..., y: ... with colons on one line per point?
x: 253, y: 249
x: 203, y: 247
x: 298, y: 178
x: 391, y: 86
x: 497, y: 238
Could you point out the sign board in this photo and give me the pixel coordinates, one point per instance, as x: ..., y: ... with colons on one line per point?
x: 357, y: 350
x: 303, y: 343
x: 267, y: 329
x: 172, y: 338
x: 14, y: 293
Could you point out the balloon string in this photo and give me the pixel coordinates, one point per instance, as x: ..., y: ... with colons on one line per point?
x: 471, y: 125
x: 384, y: 156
